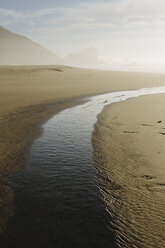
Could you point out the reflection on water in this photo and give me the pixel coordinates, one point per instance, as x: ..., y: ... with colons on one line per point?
x: 57, y: 198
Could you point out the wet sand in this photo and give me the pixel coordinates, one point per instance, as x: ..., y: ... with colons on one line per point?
x: 129, y: 144
x: 30, y: 95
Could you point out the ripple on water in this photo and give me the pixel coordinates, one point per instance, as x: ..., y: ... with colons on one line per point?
x: 58, y: 200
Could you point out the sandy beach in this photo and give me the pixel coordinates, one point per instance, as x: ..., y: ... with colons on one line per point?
x: 30, y: 95
x: 129, y: 145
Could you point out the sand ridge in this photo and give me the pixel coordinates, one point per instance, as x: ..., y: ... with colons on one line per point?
x: 129, y: 145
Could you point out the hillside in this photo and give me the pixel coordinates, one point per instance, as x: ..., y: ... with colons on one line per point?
x: 88, y: 57
x: 19, y: 50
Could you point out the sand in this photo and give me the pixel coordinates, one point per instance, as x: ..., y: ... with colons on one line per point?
x: 129, y: 145
x: 30, y: 95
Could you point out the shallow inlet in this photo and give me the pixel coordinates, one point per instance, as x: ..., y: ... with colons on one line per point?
x: 57, y: 198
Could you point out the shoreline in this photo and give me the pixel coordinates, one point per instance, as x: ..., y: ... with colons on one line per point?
x: 30, y: 95
x: 128, y: 143
x: 18, y: 158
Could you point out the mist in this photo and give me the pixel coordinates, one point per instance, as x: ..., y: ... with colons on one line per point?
x: 115, y: 35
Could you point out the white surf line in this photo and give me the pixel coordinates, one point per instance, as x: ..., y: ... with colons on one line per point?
x: 105, y: 99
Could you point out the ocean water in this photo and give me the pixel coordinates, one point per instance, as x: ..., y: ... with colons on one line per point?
x: 57, y: 197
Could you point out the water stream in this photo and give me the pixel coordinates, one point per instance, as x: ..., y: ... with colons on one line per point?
x: 57, y: 198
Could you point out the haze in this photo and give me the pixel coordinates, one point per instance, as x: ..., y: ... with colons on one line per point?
x: 126, y: 34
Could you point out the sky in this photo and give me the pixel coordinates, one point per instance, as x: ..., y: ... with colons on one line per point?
x: 126, y: 32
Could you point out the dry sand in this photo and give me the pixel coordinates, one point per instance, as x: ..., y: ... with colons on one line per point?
x: 29, y: 95
x: 129, y: 145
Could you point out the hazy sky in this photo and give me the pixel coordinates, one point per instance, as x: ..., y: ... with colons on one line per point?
x: 119, y: 29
